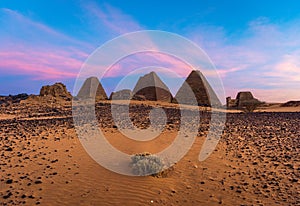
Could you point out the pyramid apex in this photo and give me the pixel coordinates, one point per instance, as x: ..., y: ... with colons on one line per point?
x: 152, y: 73
x: 92, y: 77
x: 195, y: 71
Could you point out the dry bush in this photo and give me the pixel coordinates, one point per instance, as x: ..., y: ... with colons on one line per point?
x: 144, y: 164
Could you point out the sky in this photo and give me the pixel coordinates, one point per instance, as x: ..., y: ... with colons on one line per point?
x: 254, y: 45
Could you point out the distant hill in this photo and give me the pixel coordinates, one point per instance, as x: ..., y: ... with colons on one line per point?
x: 291, y: 104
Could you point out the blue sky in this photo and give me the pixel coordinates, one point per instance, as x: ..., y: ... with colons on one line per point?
x: 255, y: 45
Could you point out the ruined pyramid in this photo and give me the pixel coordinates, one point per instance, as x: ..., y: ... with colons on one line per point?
x: 92, y: 88
x: 203, y: 92
x: 150, y: 87
x: 124, y: 94
x: 56, y: 90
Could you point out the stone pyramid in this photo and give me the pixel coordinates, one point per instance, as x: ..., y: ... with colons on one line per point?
x: 92, y: 88
x: 203, y: 92
x: 150, y: 87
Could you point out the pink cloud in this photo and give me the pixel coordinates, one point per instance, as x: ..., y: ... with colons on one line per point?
x: 263, y: 59
x: 44, y: 53
x: 287, y: 69
x: 276, y: 95
x: 41, y: 65
x: 149, y: 59
x: 39, y: 52
x: 268, y: 95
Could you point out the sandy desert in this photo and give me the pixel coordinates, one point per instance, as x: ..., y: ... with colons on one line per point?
x: 149, y: 103
x: 42, y: 161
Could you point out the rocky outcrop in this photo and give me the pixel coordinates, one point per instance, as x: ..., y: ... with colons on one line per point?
x: 57, y: 90
x: 92, y: 88
x: 204, y: 94
x: 151, y: 87
x: 291, y: 104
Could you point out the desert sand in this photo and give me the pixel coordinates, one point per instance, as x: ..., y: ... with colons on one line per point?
x: 256, y: 162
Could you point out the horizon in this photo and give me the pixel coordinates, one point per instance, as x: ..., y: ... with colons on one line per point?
x: 131, y: 86
x: 254, y: 46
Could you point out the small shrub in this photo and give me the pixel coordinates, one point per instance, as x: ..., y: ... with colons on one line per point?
x: 250, y: 106
x: 144, y: 164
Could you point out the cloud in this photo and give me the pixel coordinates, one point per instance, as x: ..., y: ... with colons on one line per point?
x: 32, y: 48
x: 39, y: 65
x: 29, y: 47
x: 287, y: 70
x: 263, y: 58
x: 112, y: 19
x: 16, y: 26
x: 149, y: 59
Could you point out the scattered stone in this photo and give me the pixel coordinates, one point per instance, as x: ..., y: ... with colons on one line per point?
x: 8, y: 195
x: 38, y: 182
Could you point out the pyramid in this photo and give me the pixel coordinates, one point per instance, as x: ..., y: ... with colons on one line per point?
x: 92, y: 88
x: 203, y: 92
x: 244, y: 98
x: 150, y: 87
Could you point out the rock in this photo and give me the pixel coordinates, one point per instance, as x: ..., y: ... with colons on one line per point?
x: 38, y: 182
x: 294, y: 180
x: 7, y: 195
x: 9, y: 149
x: 55, y: 90
x: 238, y: 191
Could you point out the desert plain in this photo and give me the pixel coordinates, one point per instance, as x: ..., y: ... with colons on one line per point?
x: 256, y: 161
